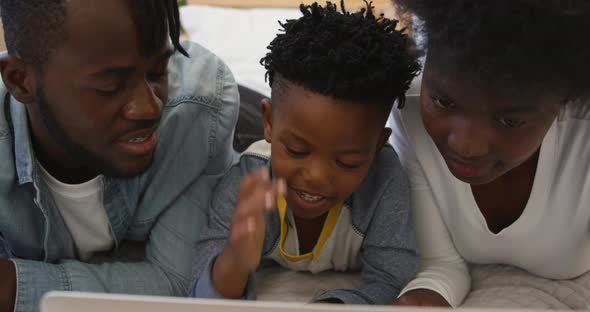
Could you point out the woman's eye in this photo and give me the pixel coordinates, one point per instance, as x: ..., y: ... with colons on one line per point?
x: 510, y: 122
x: 296, y: 153
x: 442, y: 104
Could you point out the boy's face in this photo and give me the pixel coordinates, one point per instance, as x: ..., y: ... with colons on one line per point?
x: 99, y: 100
x: 321, y: 146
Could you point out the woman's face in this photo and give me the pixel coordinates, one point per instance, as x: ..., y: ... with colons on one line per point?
x: 480, y: 134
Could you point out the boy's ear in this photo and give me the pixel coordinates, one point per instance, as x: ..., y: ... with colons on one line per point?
x: 266, y: 109
x: 19, y: 79
x: 383, y: 138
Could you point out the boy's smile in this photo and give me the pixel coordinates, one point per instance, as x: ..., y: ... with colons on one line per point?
x: 322, y: 146
x: 304, y: 203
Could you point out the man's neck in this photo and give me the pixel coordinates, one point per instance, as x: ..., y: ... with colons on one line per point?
x: 67, y: 175
x: 56, y: 161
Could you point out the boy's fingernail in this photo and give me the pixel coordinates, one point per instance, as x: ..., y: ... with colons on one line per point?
x: 251, y: 225
x: 268, y: 200
x: 264, y: 174
x: 282, y: 187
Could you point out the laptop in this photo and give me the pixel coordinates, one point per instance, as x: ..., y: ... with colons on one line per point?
x: 94, y: 302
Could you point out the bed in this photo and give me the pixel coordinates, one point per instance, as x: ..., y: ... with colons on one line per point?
x: 239, y: 31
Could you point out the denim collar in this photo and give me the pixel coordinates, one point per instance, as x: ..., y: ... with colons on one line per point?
x: 23, y: 147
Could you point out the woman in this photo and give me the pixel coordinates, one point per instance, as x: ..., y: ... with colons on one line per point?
x: 497, y: 148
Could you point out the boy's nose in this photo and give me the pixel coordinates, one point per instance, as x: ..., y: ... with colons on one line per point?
x: 317, y: 175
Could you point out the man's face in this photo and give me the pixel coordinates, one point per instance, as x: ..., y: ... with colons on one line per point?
x: 100, y: 100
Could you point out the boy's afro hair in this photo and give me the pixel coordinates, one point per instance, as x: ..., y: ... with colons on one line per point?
x: 356, y: 57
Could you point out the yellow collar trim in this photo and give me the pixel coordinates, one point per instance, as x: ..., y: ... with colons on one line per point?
x: 329, y: 225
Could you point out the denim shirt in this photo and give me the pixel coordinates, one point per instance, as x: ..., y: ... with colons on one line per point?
x: 164, y: 207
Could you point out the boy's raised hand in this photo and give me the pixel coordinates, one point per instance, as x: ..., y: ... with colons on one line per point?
x: 257, y: 196
x: 243, y: 249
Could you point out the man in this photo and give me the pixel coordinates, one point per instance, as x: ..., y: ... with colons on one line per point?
x: 109, y: 133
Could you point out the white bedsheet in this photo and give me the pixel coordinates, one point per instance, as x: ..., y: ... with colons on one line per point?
x: 494, y: 286
x: 239, y: 36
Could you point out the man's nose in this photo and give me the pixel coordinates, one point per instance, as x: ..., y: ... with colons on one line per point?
x: 144, y: 105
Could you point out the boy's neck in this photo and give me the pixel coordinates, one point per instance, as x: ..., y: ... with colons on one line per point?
x: 308, y: 232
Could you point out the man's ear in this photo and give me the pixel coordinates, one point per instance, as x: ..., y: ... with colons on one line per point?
x: 266, y: 108
x: 383, y: 138
x: 19, y: 79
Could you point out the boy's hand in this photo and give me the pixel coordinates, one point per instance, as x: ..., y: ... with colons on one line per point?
x: 257, y: 196
x: 243, y: 250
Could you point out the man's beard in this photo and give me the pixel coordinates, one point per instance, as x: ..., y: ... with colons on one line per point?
x: 90, y: 161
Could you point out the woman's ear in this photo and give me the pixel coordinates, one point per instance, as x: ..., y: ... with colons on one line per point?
x: 266, y: 108
x: 19, y: 79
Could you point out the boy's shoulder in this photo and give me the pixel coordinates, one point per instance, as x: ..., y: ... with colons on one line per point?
x: 256, y: 156
x: 384, y: 190
x: 385, y: 171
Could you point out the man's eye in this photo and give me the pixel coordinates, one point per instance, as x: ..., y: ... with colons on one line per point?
x: 510, y: 122
x: 296, y: 153
x: 442, y: 104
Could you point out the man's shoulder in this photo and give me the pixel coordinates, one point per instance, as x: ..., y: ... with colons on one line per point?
x: 201, y: 111
x: 201, y: 78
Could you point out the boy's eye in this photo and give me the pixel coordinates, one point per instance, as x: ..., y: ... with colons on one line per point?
x: 347, y: 165
x: 296, y: 153
x: 510, y: 122
x: 442, y: 104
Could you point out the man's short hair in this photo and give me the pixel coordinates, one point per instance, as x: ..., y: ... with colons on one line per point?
x: 33, y: 28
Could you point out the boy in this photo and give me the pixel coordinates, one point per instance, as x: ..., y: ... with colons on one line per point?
x: 342, y: 199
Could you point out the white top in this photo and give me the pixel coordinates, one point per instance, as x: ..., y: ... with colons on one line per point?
x: 338, y: 247
x: 83, y: 212
x: 551, y: 238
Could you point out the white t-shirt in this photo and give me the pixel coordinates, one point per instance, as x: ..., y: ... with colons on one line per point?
x: 551, y: 238
x: 83, y: 212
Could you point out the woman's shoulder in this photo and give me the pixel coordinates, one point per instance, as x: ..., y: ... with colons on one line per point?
x: 572, y: 129
x: 575, y: 110
x: 407, y: 121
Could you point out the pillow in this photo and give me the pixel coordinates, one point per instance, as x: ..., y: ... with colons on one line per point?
x: 238, y: 36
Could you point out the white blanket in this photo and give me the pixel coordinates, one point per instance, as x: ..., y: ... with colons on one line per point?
x: 494, y: 286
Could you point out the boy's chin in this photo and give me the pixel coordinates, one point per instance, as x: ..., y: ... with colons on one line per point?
x: 308, y: 214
